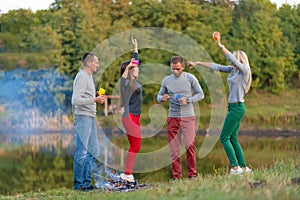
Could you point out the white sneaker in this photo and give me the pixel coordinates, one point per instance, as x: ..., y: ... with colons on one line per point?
x: 126, y: 177
x: 237, y: 171
x: 247, y: 170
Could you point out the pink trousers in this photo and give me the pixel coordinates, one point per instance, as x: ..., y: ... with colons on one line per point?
x: 134, y: 135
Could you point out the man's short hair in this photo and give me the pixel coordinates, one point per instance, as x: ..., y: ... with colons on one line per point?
x: 87, y: 57
x: 176, y: 59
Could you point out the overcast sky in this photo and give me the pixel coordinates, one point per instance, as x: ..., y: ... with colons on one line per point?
x: 6, y: 5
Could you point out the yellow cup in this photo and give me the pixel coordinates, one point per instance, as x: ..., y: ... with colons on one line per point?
x: 101, y: 91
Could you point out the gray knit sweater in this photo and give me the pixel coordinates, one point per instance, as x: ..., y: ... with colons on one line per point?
x: 188, y: 86
x: 84, y: 94
x: 237, y: 78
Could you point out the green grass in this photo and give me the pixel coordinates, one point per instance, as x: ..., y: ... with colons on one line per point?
x: 269, y: 111
x: 276, y: 185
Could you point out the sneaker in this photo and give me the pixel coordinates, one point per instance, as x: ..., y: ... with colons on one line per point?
x: 247, y: 170
x: 237, y: 171
x: 175, y: 179
x: 88, y: 189
x: 128, y: 178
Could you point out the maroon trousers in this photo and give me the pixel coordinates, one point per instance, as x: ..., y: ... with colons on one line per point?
x: 132, y: 126
x: 184, y: 126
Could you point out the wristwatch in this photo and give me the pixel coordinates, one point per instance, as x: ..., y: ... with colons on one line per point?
x: 188, y: 100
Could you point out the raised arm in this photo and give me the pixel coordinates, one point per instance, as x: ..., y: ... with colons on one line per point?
x: 192, y: 64
x: 135, y: 44
x: 135, y: 57
x: 212, y: 66
x: 229, y: 56
x: 135, y: 48
x: 217, y: 38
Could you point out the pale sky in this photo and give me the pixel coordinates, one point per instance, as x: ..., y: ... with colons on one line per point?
x: 6, y: 5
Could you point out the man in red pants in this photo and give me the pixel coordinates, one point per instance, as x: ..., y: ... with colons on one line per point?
x: 182, y: 89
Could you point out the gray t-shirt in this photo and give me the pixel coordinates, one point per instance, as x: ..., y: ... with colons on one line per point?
x: 188, y: 86
x: 84, y: 94
x: 237, y: 79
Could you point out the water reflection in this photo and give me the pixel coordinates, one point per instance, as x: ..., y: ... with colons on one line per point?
x: 35, y: 162
x: 38, y: 141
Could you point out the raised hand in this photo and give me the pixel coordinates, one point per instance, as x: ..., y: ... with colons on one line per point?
x: 135, y: 43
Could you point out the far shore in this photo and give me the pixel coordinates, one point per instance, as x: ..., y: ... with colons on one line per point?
x: 117, y: 131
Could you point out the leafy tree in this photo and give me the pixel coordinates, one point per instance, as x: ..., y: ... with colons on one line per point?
x: 268, y: 50
x: 58, y: 37
x: 65, y: 20
x: 27, y: 43
x: 47, y: 42
x: 15, y: 26
x: 206, y: 22
x: 290, y: 26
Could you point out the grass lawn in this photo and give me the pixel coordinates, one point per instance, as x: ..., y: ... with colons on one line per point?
x: 281, y: 181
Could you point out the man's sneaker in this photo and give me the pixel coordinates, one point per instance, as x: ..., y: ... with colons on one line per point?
x: 175, y: 179
x: 88, y: 189
x: 247, y: 170
x: 128, y: 178
x: 237, y: 171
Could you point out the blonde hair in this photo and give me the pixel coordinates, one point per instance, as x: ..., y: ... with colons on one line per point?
x: 242, y: 57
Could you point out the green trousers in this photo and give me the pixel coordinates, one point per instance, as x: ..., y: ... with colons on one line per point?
x: 229, y: 134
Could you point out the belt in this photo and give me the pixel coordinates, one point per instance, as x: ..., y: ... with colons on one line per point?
x: 236, y: 103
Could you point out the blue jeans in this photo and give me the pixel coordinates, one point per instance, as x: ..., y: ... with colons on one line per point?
x: 86, y: 150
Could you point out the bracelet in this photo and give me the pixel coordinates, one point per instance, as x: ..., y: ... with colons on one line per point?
x: 221, y: 46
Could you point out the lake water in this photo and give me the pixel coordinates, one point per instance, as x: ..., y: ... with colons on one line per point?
x: 38, y: 162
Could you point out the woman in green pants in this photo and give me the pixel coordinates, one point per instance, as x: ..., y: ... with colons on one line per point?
x: 239, y: 81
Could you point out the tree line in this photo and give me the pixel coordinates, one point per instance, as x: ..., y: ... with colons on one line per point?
x: 57, y: 37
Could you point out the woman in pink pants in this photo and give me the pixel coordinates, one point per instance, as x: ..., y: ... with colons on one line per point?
x: 131, y: 99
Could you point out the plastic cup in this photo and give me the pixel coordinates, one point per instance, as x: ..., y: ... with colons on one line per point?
x: 178, y: 96
x: 101, y: 92
x: 135, y: 62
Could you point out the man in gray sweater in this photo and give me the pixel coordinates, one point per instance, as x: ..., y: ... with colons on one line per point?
x: 84, y: 103
x: 182, y: 89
